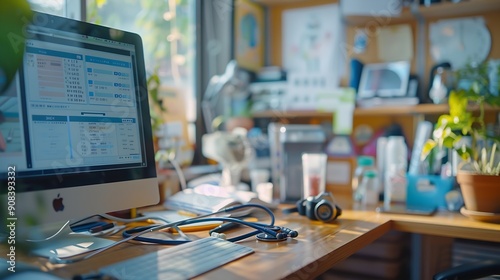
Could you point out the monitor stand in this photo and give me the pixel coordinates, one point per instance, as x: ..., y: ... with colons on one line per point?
x: 65, y: 244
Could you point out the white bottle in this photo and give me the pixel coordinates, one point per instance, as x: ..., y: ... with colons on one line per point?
x: 396, y: 163
x: 381, y: 145
x: 365, y: 163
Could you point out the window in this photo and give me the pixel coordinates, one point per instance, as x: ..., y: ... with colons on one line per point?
x: 54, y: 7
x: 167, y: 29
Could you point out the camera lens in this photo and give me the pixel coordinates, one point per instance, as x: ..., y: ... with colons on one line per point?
x: 324, y: 211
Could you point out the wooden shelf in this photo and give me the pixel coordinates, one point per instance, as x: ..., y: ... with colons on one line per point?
x: 464, y: 8
x: 421, y: 109
x: 277, y: 114
x: 438, y: 10
x: 405, y: 16
x: 425, y: 109
x: 277, y: 2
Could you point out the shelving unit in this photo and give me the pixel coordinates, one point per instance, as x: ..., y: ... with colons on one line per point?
x: 418, y: 16
x: 368, y: 122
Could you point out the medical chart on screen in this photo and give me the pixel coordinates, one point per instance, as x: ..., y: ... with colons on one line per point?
x: 81, y: 105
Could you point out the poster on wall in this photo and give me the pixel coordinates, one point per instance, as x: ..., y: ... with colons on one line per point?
x: 311, y: 39
x: 249, y: 34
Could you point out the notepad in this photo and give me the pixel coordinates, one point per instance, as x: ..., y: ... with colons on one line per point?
x: 205, y: 199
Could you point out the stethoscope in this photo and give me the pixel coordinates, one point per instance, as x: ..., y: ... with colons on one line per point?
x: 264, y: 232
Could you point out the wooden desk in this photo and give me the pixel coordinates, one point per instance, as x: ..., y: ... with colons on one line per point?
x: 313, y: 252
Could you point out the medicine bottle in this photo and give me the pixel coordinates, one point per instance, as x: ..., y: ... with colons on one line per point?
x: 396, y: 163
x: 364, y: 164
x: 369, y: 188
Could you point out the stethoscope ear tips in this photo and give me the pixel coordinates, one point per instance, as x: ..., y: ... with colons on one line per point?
x: 289, y: 232
x: 282, y: 233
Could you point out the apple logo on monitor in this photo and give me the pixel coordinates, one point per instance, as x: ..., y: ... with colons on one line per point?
x: 57, y: 203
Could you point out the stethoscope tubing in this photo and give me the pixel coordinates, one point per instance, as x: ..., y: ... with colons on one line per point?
x: 144, y: 230
x: 264, y: 228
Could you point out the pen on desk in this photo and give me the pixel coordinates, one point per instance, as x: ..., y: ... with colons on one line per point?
x: 230, y: 225
x: 187, y: 213
x: 101, y: 228
x: 222, y: 228
x: 194, y: 227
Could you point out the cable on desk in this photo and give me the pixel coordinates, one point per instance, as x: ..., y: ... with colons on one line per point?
x: 162, y: 155
x: 52, y: 236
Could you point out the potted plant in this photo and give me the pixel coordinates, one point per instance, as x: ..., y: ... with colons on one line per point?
x: 14, y: 16
x: 464, y: 131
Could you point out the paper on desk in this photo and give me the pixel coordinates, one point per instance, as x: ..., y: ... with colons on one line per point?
x: 67, y: 244
x: 395, y: 43
x: 344, y: 110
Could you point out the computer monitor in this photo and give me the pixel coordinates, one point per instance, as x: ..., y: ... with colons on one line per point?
x: 76, y: 125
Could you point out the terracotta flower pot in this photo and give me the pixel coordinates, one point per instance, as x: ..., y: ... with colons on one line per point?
x: 481, y: 192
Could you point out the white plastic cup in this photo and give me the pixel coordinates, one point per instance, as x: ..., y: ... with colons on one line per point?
x: 313, y: 173
x: 258, y: 176
x: 265, y: 192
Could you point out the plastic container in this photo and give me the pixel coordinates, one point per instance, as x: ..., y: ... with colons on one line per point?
x: 428, y: 190
x: 369, y: 188
x: 365, y: 163
x: 381, y: 145
x: 396, y: 164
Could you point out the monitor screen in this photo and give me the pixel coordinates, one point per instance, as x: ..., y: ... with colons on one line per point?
x: 75, y: 124
x: 384, y: 80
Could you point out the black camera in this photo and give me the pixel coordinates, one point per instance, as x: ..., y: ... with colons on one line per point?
x: 321, y: 207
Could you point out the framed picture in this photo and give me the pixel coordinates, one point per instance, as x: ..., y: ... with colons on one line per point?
x: 311, y: 39
x: 249, y: 34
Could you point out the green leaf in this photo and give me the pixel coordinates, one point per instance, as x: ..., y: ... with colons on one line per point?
x: 427, y: 148
x: 14, y: 16
x: 492, y: 100
x: 464, y: 152
x: 458, y: 103
x: 449, y: 141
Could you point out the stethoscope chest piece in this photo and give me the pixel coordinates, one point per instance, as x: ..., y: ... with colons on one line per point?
x: 269, y: 238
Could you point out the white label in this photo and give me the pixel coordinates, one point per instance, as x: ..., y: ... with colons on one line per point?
x: 338, y: 173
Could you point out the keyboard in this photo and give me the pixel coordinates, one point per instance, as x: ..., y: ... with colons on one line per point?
x: 183, y: 261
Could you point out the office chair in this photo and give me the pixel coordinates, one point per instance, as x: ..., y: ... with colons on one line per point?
x: 471, y: 271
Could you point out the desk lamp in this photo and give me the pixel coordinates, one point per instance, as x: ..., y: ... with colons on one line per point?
x: 216, y: 104
x: 231, y: 149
